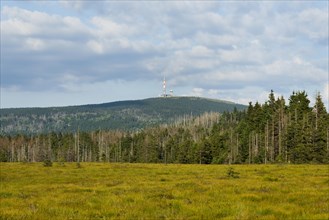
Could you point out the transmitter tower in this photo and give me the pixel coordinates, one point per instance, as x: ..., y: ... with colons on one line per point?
x: 164, y: 90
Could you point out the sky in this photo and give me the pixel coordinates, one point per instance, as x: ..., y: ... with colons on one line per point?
x: 58, y: 53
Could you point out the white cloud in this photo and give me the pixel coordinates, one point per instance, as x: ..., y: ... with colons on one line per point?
x: 197, y: 92
x: 213, y: 92
x: 107, y: 28
x: 25, y: 23
x: 296, y: 70
x: 228, y: 50
x: 95, y: 46
x: 313, y: 23
x: 34, y: 44
x: 79, y: 94
x: 201, y: 51
x: 217, y: 40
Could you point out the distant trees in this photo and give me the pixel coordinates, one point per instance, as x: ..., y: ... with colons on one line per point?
x: 124, y: 115
x: 264, y: 133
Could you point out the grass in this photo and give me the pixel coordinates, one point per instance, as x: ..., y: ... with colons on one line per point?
x: 156, y: 191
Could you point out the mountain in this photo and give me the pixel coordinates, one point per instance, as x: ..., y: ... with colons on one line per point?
x: 123, y: 115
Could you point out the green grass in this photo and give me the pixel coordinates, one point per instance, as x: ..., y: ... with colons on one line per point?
x: 155, y: 191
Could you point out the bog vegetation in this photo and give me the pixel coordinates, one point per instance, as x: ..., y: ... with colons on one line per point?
x: 144, y: 174
x: 272, y: 132
x: 159, y: 191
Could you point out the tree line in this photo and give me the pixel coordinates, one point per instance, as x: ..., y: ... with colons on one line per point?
x: 276, y: 131
x: 123, y: 115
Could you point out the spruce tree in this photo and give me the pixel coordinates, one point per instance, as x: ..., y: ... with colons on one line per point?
x: 320, y: 130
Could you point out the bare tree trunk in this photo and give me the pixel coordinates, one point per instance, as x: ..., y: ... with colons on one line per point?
x: 272, y: 146
x: 256, y: 144
x: 165, y: 151
x: 33, y: 153
x: 120, y: 153
x: 84, y: 152
x: 37, y: 147
x: 27, y: 148
x: 265, y: 148
x: 280, y: 144
x: 78, y: 147
x: 49, y: 148
x: 285, y: 130
x: 90, y: 158
x: 327, y: 142
x: 316, y: 117
x: 107, y: 150
x: 250, y: 139
x: 231, y: 147
x: 12, y: 153
x: 237, y: 145
x: 266, y: 142
x: 99, y: 147
x: 75, y: 146
x: 116, y: 152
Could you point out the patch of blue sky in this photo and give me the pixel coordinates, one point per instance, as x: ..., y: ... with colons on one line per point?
x: 56, y: 8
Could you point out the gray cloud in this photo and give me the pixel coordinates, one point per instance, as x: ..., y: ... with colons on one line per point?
x: 210, y: 48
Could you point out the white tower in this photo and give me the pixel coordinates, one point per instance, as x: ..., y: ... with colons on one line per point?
x: 164, y: 91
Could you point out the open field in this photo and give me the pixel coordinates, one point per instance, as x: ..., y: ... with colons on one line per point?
x: 156, y: 191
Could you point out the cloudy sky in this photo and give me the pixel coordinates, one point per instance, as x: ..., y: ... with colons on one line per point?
x: 57, y: 53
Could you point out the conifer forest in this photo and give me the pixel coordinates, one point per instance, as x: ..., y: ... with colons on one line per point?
x: 279, y: 130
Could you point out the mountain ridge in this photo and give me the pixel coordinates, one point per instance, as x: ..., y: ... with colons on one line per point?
x: 123, y: 115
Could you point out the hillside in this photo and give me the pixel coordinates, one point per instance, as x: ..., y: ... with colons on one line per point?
x: 125, y: 115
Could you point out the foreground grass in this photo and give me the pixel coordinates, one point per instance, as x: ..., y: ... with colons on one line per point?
x: 155, y: 191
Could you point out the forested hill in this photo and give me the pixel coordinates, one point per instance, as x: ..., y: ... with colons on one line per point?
x: 123, y: 115
x: 275, y: 131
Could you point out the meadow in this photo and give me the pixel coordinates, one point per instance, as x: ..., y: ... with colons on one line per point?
x: 159, y: 191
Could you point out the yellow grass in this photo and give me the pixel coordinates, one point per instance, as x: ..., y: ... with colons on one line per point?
x: 156, y: 191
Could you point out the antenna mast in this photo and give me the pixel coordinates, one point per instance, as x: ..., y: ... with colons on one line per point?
x: 164, y: 91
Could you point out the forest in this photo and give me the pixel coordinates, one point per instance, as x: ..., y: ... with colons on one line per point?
x: 277, y: 131
x: 130, y: 115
